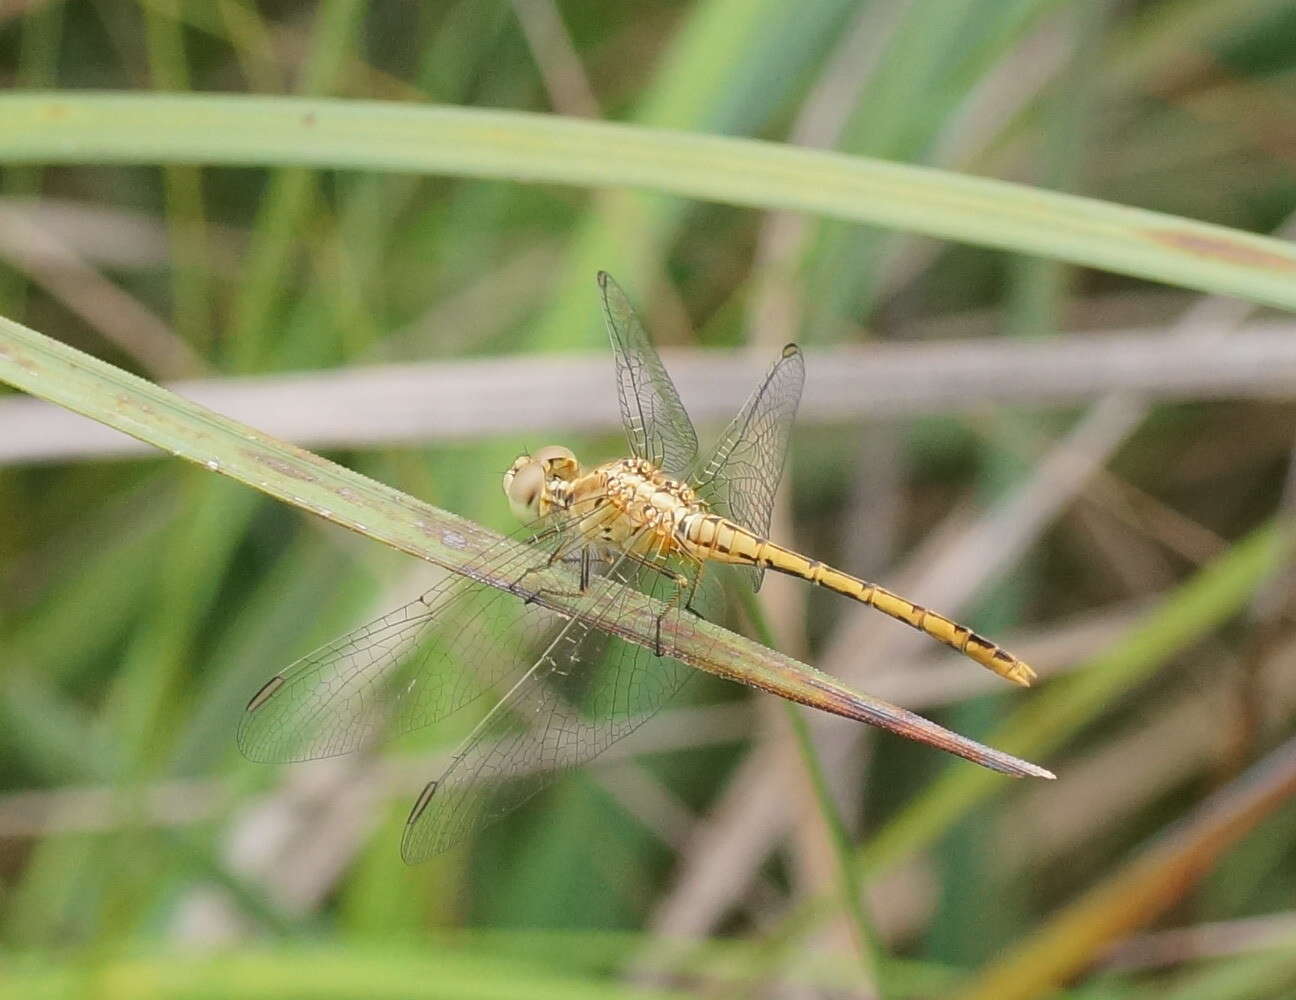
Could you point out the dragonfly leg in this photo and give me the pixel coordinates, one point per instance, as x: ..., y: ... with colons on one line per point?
x: 571, y: 537
x: 684, y: 585
x: 697, y: 578
x: 561, y: 552
x: 687, y: 583
x: 685, y: 590
x: 585, y: 558
x: 516, y: 586
x: 655, y: 561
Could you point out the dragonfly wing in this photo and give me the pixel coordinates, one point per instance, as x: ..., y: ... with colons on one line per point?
x: 567, y: 710
x: 742, y: 475
x: 655, y: 420
x: 409, y: 668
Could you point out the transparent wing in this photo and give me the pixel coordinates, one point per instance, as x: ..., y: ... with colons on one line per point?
x: 742, y: 475
x: 655, y: 421
x: 411, y: 667
x: 566, y: 710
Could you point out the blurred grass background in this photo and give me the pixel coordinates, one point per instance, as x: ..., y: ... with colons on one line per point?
x: 1131, y: 548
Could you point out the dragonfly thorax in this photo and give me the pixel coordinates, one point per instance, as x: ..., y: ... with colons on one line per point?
x: 644, y: 495
x: 634, y: 493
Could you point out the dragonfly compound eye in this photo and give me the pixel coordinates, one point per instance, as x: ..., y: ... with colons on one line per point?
x: 524, y: 484
x: 558, y: 461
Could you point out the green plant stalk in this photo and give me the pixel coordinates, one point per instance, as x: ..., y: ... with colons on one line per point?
x: 182, y: 185
x: 476, y: 963
x: 374, y: 135
x: 240, y: 25
x: 86, y: 385
x: 326, y: 974
x: 852, y: 889
x: 38, y: 46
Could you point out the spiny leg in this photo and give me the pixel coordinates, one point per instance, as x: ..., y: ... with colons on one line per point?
x: 682, y: 585
x: 693, y: 589
x: 562, y: 552
x: 684, y: 582
x: 655, y: 561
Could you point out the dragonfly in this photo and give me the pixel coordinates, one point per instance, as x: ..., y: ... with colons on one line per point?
x: 663, y: 525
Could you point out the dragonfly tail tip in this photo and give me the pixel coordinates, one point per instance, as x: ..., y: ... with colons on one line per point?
x: 1021, y: 675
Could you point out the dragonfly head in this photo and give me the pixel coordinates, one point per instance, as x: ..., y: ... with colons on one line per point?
x: 530, y: 479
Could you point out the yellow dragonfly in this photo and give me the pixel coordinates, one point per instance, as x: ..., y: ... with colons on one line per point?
x: 662, y: 523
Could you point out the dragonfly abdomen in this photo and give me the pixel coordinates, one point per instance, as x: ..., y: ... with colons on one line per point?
x: 720, y: 539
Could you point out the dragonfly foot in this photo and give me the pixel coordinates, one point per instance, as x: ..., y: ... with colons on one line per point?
x: 528, y: 596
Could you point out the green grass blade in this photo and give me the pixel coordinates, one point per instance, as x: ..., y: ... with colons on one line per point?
x: 852, y: 888
x: 322, y: 973
x: 124, y: 128
x: 182, y: 188
x: 69, y: 378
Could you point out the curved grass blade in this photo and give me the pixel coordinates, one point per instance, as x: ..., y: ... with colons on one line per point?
x: 102, y: 128
x: 67, y: 377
